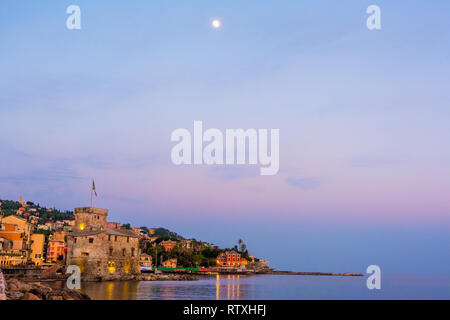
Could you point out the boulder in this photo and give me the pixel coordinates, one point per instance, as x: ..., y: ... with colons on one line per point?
x: 30, y: 296
x: 24, y: 287
x: 15, y: 295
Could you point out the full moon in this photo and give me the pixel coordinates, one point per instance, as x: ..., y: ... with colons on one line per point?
x: 216, y: 23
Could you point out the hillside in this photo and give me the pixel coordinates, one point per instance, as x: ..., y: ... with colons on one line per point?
x: 9, y: 207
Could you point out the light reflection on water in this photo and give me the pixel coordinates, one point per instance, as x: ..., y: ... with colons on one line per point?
x: 218, y: 287
x: 233, y: 287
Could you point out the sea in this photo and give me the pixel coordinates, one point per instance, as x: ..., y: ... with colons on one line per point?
x: 273, y: 287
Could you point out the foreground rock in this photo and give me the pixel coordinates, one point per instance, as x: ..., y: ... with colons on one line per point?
x: 18, y: 290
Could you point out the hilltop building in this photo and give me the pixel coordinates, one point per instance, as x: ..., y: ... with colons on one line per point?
x: 168, y: 244
x: 100, y: 251
x: 187, y: 243
x: 229, y: 259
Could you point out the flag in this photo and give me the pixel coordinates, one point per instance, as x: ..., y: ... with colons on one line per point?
x: 93, y: 188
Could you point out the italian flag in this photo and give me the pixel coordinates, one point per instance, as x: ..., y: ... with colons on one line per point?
x: 93, y: 188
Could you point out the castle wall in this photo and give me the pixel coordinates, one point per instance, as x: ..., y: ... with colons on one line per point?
x: 104, y: 257
x: 98, y: 251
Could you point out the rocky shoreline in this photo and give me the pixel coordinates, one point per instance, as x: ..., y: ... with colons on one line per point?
x: 51, y: 289
x: 19, y: 290
x: 145, y: 277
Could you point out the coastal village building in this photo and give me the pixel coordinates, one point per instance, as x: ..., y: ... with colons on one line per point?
x: 229, y: 259
x: 49, y: 225
x: 170, y: 263
x: 168, y: 244
x: 37, y: 248
x: 42, y: 227
x: 55, y: 250
x: 59, y: 235
x: 10, y: 256
x: 23, y: 226
x: 56, y: 246
x: 137, y: 230
x: 145, y: 262
x: 113, y: 225
x: 100, y: 251
x: 187, y: 243
x: 14, y: 235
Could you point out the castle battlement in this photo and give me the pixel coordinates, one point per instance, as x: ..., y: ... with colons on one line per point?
x: 92, y: 210
x: 90, y: 218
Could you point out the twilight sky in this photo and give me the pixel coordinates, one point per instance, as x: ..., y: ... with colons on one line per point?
x: 364, y: 121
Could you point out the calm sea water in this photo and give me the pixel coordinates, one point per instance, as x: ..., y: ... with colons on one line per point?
x: 272, y: 287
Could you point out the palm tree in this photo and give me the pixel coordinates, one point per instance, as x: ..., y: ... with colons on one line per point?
x: 240, y: 243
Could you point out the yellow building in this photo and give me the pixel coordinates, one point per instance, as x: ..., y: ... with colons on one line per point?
x: 8, y: 255
x: 145, y: 260
x: 22, y: 225
x: 37, y: 248
x: 14, y: 235
x: 59, y: 235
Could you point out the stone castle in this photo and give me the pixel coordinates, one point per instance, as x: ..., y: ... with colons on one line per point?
x: 101, y: 252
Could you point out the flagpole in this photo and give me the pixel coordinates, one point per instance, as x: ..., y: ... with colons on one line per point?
x: 92, y: 190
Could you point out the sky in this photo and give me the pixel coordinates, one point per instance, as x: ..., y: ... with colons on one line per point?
x: 363, y: 116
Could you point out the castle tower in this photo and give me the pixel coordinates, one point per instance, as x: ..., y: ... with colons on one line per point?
x: 90, y: 219
x: 20, y: 200
x: 100, y: 252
